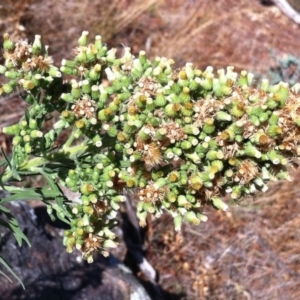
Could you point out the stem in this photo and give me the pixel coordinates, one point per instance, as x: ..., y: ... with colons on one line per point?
x: 69, y: 140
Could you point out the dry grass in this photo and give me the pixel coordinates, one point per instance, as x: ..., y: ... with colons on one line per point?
x: 251, y: 252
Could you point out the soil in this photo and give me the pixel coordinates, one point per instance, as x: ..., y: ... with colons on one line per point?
x: 251, y: 251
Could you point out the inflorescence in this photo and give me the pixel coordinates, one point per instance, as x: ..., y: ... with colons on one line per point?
x: 181, y: 139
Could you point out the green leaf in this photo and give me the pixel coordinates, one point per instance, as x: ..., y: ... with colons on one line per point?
x: 5, y: 159
x: 27, y: 115
x: 12, y: 224
x: 59, y: 196
x: 6, y: 265
x: 20, y: 194
x: 4, y: 209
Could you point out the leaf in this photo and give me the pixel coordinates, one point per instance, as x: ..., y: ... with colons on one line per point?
x: 53, y: 185
x: 5, y: 159
x: 4, y: 209
x: 30, y: 194
x: 12, y: 224
x: 27, y: 115
x: 6, y: 265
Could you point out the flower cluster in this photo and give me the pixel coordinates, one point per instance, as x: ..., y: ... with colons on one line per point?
x: 181, y: 139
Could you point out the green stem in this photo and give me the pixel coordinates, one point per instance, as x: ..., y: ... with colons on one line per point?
x: 69, y: 140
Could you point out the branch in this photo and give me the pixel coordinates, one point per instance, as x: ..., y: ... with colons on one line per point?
x: 288, y: 10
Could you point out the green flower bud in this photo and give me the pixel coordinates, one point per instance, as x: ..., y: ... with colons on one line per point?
x: 284, y: 175
x: 259, y: 182
x: 91, y: 53
x: 28, y: 85
x: 97, y: 141
x: 75, y: 91
x: 193, y: 140
x: 80, y: 124
x: 160, y: 133
x: 17, y: 140
x: 68, y: 63
x: 243, y: 79
x: 191, y: 217
x: 136, y: 156
x: 209, y: 126
x: 260, y: 138
x: 223, y: 116
x: 27, y: 148
x: 37, y: 45
x: 185, y: 145
x: 148, y: 207
x: 112, y: 131
x: 81, y: 57
x: 273, y: 120
x: 119, y: 198
x: 160, y: 100
x: 86, y: 87
x: 154, y: 121
x: 170, y: 110
x: 271, y: 103
x: 184, y: 97
x: 281, y: 94
x: 93, y: 198
x: 274, y: 157
x: 83, y: 40
x: 177, y: 151
x: 229, y: 173
x: 251, y: 151
x: 35, y: 134
x: 217, y: 165
x: 11, y: 74
x: 160, y: 183
x: 254, y: 120
x: 265, y: 85
x: 194, y: 84
x: 8, y: 44
x: 54, y: 72
x: 11, y: 130
x: 9, y: 64
x: 263, y: 117
x: 219, y: 204
x: 194, y: 157
x: 177, y: 222
x: 191, y: 129
x: 2, y: 69
x: 207, y: 82
x: 67, y: 97
x: 274, y: 131
x: 7, y: 88
x: 68, y: 71
x: 183, y: 202
x: 87, y: 188
x: 196, y: 182
x: 214, y: 154
x: 237, y: 110
x: 142, y: 216
x: 236, y: 192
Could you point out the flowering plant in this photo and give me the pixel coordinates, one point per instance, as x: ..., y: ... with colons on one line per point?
x: 180, y: 139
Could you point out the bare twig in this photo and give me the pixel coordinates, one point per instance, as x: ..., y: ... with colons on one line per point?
x: 288, y: 10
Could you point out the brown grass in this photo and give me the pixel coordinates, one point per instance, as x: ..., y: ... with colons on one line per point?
x: 251, y: 252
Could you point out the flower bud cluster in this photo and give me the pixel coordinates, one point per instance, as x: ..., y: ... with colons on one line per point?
x: 27, y: 135
x: 181, y: 139
x: 93, y: 219
x: 27, y: 66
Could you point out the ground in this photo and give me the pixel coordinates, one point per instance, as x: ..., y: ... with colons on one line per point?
x: 251, y: 251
